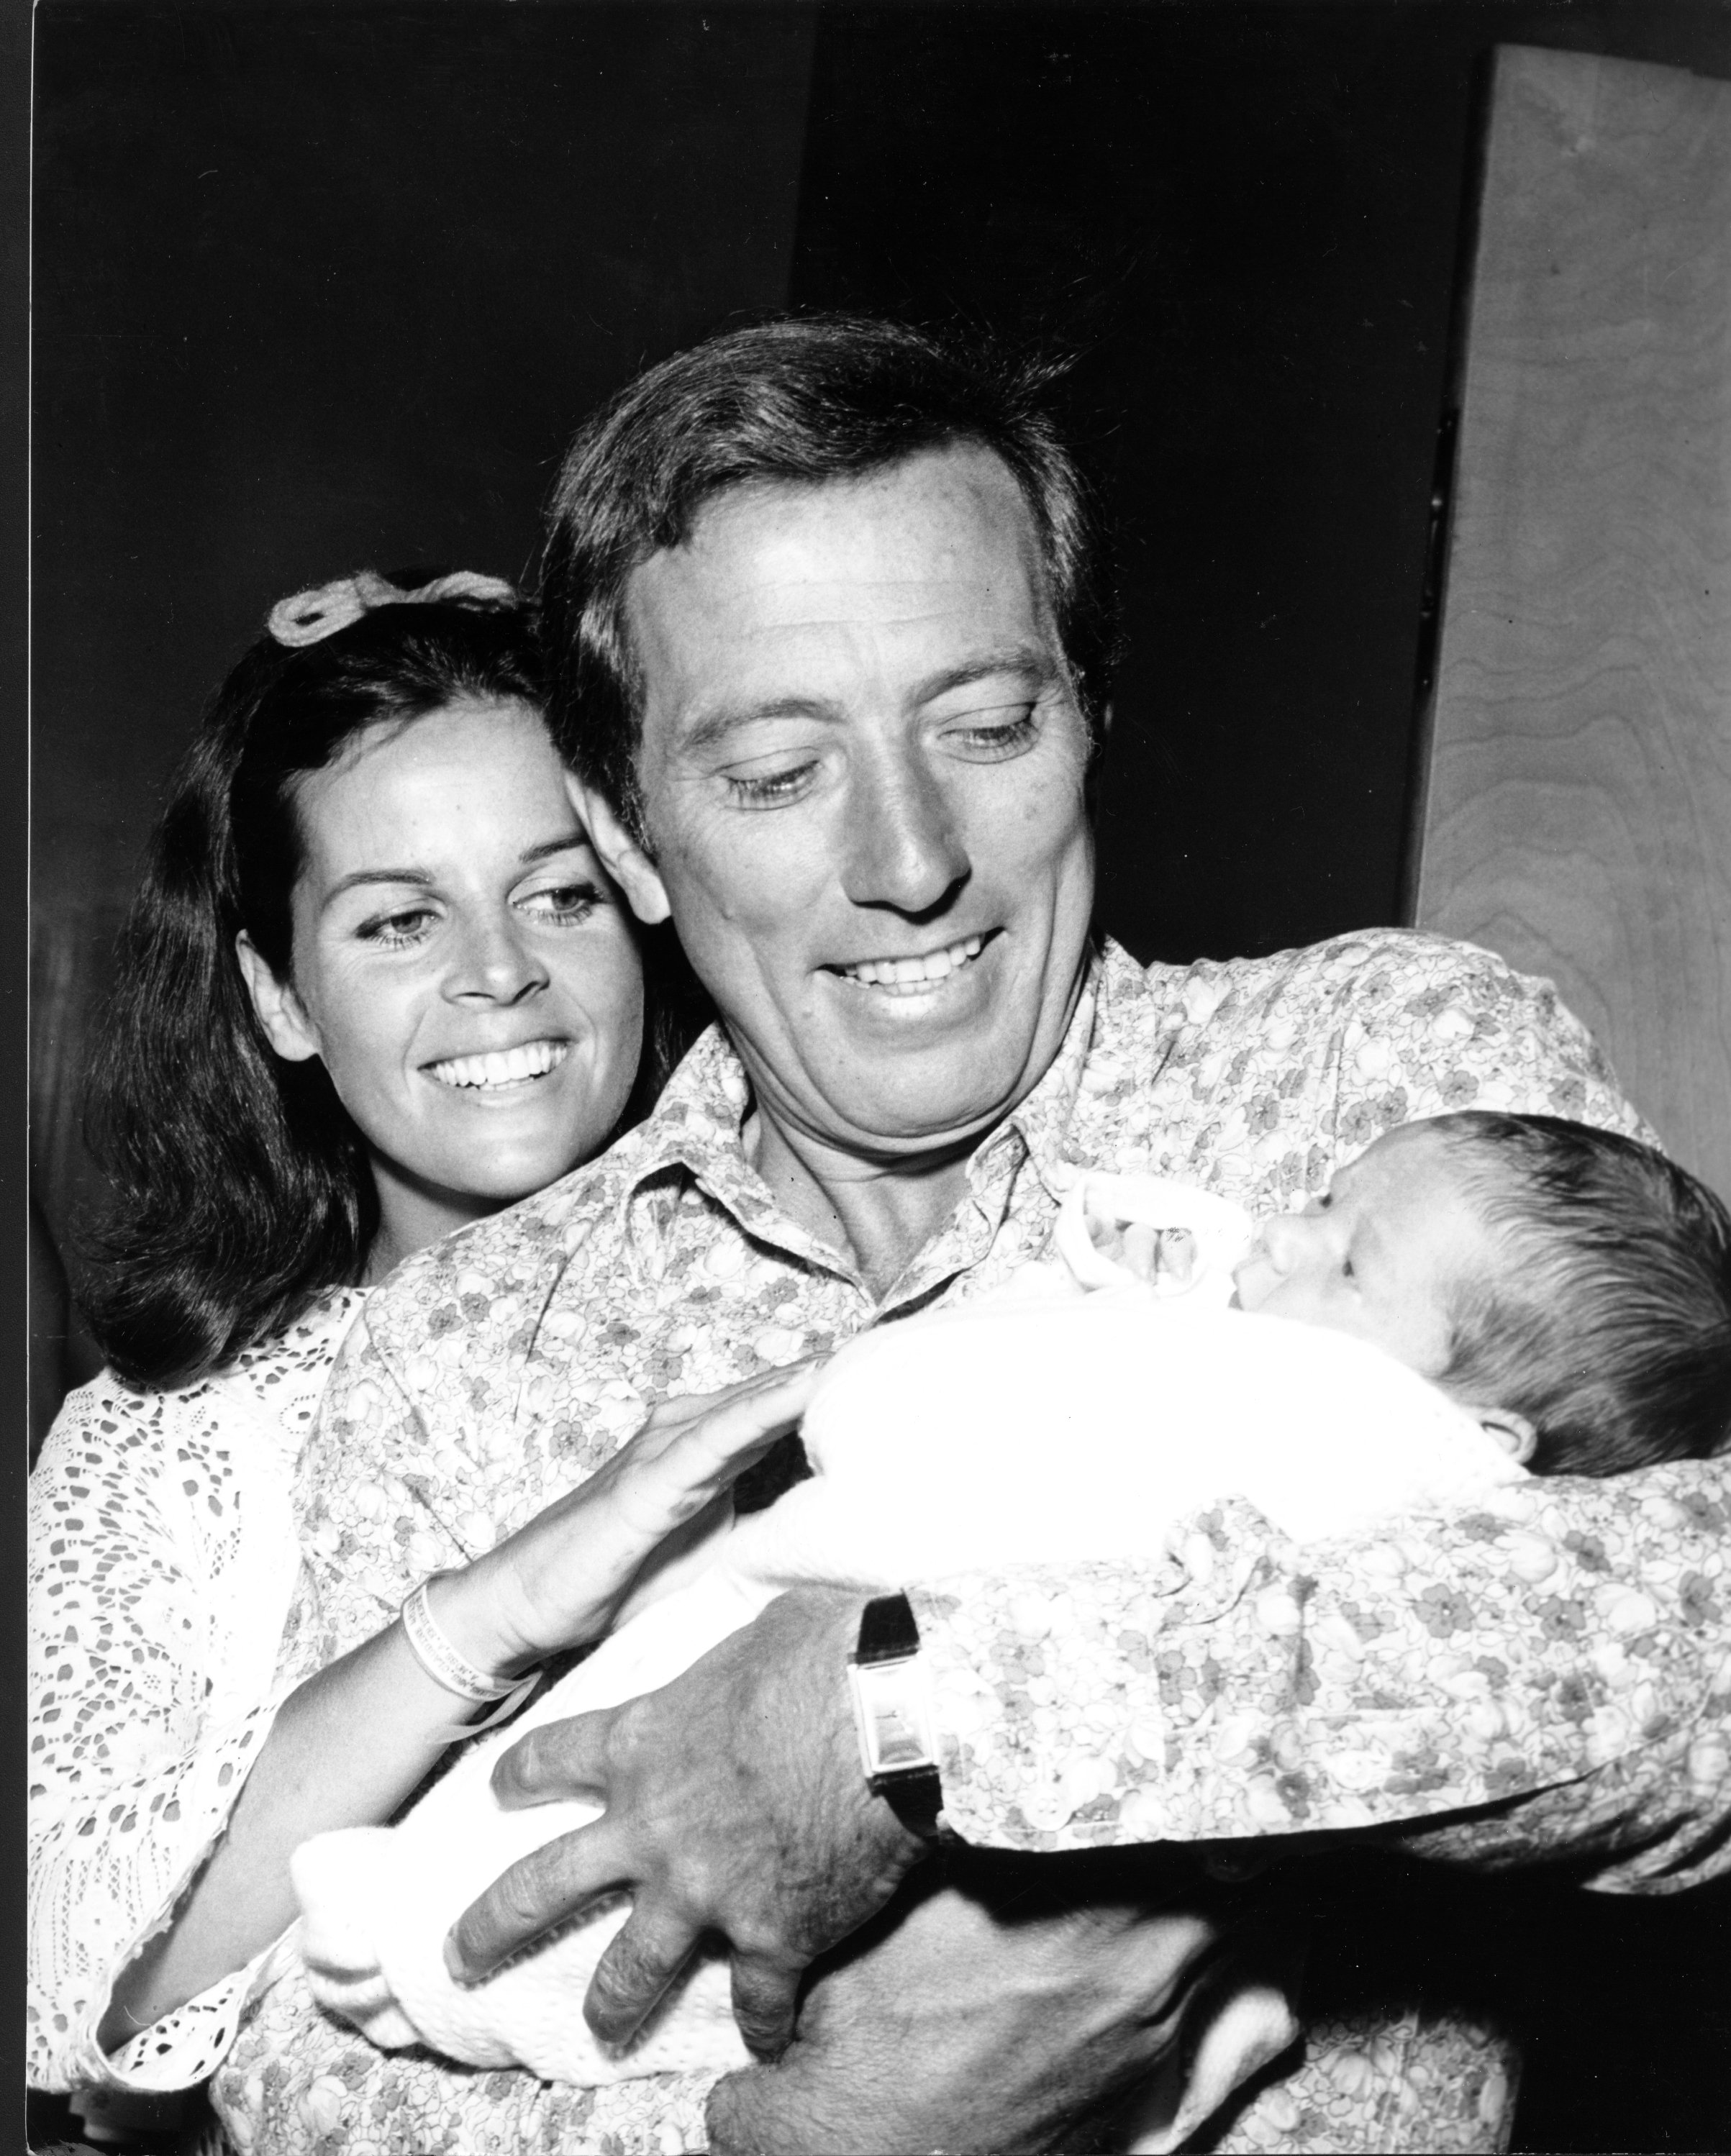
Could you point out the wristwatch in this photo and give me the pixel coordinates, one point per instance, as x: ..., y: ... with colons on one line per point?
x: 894, y: 1715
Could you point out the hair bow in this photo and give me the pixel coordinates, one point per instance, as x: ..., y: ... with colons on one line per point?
x: 308, y: 617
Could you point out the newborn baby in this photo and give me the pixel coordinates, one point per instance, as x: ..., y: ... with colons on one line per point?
x: 1471, y: 1293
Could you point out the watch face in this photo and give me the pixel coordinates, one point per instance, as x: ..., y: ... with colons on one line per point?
x: 894, y: 1715
x: 900, y: 1742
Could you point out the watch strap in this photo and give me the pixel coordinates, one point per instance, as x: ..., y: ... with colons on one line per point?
x: 888, y: 1630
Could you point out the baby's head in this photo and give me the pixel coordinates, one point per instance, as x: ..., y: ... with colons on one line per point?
x: 1568, y: 1286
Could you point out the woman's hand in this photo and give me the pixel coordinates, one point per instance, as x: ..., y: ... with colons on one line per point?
x: 353, y: 1743
x: 559, y: 1581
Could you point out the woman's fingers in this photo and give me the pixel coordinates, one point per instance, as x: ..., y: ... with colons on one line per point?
x: 673, y: 1472
x: 727, y: 1421
x: 540, y: 1890
x: 646, y: 1954
x: 751, y: 1421
x: 673, y: 1417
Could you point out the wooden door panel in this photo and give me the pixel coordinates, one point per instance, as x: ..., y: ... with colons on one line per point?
x: 1577, y: 816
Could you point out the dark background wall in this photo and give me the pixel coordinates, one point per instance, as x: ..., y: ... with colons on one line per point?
x: 322, y: 286
x: 1246, y: 218
x: 318, y: 286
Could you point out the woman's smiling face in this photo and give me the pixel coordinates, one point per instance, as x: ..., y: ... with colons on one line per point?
x: 461, y: 966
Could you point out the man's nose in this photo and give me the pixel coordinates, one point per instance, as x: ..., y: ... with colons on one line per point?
x: 496, y: 961
x: 901, y: 847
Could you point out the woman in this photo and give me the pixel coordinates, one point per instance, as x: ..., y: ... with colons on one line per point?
x: 375, y: 987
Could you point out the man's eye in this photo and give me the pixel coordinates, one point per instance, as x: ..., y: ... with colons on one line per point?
x: 767, y: 789
x: 989, y: 735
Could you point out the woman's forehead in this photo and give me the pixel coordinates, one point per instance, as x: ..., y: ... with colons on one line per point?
x: 459, y: 781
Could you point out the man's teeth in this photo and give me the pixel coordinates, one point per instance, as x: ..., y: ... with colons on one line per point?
x: 507, y: 1066
x: 905, y: 975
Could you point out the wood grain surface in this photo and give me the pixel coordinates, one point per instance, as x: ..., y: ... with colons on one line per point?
x: 1577, y: 816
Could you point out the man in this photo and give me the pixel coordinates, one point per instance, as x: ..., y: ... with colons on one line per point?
x: 828, y: 618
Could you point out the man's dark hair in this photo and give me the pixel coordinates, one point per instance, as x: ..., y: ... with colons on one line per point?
x: 1608, y: 1324
x: 792, y: 402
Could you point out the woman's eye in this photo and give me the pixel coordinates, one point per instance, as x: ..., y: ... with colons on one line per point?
x: 1346, y: 1269
x: 393, y: 929
x: 767, y: 789
x: 562, y: 902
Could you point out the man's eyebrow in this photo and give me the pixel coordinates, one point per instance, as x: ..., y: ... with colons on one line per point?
x: 715, y: 725
x: 1025, y: 663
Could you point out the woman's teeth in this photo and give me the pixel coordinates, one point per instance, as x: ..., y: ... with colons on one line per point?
x: 904, y: 976
x: 507, y: 1066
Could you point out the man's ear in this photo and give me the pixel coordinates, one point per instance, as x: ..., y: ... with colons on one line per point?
x: 625, y: 860
x: 280, y: 1011
x: 1512, y: 1431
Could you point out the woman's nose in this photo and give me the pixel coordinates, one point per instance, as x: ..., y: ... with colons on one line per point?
x: 496, y: 961
x: 903, y: 847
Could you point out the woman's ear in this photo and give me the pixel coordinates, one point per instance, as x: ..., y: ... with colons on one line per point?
x: 625, y: 860
x: 280, y: 1011
x: 1512, y: 1431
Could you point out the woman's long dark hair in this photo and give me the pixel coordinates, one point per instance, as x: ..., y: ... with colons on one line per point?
x: 240, y: 1189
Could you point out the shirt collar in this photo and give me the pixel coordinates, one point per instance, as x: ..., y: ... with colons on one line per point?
x: 696, y: 1125
x: 1039, y: 1125
x: 697, y: 1122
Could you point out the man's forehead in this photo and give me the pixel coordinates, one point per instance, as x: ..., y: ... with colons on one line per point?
x: 944, y: 532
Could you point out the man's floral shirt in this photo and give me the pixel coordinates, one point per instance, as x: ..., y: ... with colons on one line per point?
x: 1546, y: 1675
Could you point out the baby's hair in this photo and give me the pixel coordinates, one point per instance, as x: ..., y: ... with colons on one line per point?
x: 1609, y: 1326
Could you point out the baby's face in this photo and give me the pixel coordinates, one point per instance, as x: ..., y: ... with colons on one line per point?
x: 1375, y: 1256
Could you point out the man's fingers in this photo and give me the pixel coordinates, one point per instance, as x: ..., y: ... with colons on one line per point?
x: 642, y: 1961
x: 766, y: 1998
x: 555, y: 1761
x: 540, y: 1890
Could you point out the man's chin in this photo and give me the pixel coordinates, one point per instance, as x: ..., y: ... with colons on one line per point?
x: 935, y: 1113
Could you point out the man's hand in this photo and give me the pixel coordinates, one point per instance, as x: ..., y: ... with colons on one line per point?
x: 734, y: 1803
x: 1002, y: 2003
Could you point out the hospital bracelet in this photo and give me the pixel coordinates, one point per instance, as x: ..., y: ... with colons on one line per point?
x: 441, y: 1659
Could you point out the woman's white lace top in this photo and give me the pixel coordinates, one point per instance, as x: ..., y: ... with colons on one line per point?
x: 162, y: 1560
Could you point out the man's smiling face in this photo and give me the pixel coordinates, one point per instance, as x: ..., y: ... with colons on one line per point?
x: 862, y: 768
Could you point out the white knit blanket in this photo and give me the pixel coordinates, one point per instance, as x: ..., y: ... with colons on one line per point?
x: 1061, y: 1420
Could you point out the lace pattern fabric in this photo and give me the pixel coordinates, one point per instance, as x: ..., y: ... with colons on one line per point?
x: 163, y: 1560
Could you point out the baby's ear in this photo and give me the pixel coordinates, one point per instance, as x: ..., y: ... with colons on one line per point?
x: 1512, y: 1431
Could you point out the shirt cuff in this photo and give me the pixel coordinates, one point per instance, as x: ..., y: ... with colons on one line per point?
x: 1055, y: 1727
